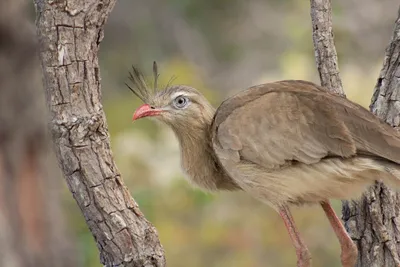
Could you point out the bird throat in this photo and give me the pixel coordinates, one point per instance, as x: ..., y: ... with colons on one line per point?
x: 198, y: 160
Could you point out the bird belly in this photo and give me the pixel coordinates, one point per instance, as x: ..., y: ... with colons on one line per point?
x: 300, y: 183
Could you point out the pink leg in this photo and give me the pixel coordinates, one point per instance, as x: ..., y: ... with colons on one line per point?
x: 303, y: 255
x: 349, y: 250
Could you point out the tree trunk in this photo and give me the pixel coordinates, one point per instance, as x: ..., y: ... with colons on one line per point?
x: 32, y: 231
x: 324, y: 47
x: 373, y: 221
x: 70, y: 33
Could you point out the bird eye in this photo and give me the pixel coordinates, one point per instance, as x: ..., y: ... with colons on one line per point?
x: 180, y: 102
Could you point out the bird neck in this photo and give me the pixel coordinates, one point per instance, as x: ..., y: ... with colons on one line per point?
x: 198, y: 159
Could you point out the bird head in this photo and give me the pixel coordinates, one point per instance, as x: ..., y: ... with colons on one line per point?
x: 179, y: 106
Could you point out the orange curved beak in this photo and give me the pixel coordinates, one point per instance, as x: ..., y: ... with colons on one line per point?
x: 145, y: 110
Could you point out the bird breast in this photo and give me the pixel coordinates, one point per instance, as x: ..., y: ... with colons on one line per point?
x: 331, y: 178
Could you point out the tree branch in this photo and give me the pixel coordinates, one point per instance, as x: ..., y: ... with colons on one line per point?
x: 70, y: 33
x: 324, y: 47
x: 372, y: 220
x: 389, y: 78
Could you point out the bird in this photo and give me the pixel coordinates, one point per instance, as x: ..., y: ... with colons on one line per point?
x: 286, y: 143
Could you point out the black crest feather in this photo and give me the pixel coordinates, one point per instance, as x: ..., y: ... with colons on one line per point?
x: 156, y: 75
x: 139, y: 86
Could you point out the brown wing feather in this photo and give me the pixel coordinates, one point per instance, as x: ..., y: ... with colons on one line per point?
x: 296, y: 120
x: 246, y: 96
x: 371, y: 136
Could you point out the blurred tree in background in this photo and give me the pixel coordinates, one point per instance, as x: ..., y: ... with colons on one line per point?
x: 32, y: 222
x: 221, y: 47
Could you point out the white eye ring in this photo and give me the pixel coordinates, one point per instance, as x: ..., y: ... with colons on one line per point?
x: 181, y: 102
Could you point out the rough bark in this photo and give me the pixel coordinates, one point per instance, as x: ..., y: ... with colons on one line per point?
x: 373, y: 221
x: 324, y: 47
x: 70, y: 33
x: 32, y: 230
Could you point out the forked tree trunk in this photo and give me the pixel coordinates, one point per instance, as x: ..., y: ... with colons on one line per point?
x: 70, y: 33
x: 32, y: 231
x: 373, y: 222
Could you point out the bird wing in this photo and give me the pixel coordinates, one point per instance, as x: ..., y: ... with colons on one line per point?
x: 276, y: 123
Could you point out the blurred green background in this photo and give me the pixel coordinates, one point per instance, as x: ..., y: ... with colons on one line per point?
x: 221, y: 47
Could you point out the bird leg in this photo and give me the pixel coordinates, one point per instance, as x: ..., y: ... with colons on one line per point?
x: 303, y: 254
x: 348, y: 255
